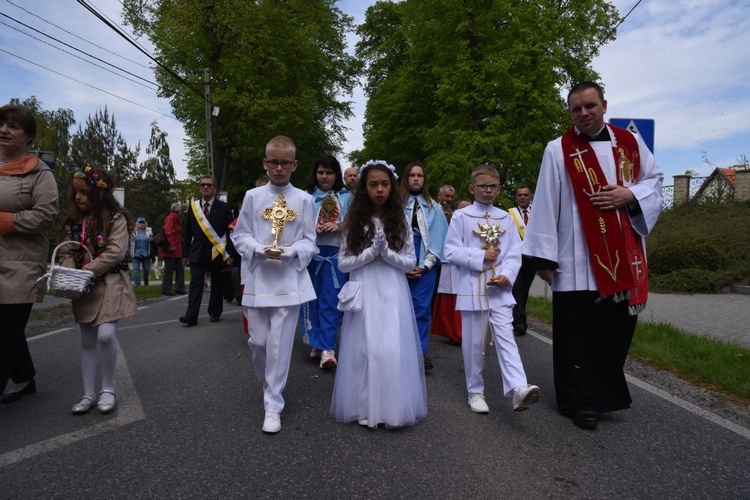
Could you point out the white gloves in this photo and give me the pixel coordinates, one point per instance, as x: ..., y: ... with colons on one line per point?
x: 260, y: 254
x: 288, y: 254
x: 379, y: 244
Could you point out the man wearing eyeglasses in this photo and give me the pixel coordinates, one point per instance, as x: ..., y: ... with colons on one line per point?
x: 207, y: 250
x: 597, y: 198
x: 521, y: 214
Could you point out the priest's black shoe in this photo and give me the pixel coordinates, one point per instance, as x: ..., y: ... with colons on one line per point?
x: 12, y: 397
x: 189, y: 320
x: 586, y: 419
x: 215, y: 319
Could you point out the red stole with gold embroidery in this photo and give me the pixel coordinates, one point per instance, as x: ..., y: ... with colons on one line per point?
x: 615, y: 249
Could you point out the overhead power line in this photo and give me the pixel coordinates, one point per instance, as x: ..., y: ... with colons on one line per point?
x: 619, y: 23
x: 76, y: 36
x: 88, y: 85
x: 117, y: 29
x: 135, y: 44
x: 76, y: 49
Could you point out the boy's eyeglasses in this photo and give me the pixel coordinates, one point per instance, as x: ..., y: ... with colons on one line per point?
x: 487, y: 187
x: 283, y: 164
x: 206, y: 185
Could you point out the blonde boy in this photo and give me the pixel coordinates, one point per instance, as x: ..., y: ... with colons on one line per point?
x: 483, y: 242
x: 274, y: 270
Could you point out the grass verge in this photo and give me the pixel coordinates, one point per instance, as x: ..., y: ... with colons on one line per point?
x: 54, y: 312
x: 146, y: 292
x: 704, y: 361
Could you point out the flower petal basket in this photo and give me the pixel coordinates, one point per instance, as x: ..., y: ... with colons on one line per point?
x: 67, y: 282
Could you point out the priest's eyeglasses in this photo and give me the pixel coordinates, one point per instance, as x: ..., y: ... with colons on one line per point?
x: 276, y: 163
x: 487, y: 187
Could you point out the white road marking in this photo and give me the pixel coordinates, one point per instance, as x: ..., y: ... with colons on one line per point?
x: 697, y: 410
x: 129, y: 409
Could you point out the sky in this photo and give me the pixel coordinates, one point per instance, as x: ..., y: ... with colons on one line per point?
x: 680, y: 63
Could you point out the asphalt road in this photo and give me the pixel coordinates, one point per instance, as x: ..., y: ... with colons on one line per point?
x: 190, y: 411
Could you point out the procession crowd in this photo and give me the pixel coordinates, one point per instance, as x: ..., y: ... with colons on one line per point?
x: 368, y: 265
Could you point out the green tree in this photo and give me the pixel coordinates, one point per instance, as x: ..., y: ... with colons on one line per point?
x: 475, y: 81
x: 149, y: 192
x: 100, y: 145
x: 277, y: 67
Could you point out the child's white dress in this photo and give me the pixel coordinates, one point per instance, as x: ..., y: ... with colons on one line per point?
x: 380, y: 375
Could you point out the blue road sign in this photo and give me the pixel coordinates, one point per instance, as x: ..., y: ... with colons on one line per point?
x: 644, y: 128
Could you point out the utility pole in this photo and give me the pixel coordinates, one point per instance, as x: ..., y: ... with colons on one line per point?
x: 209, y: 134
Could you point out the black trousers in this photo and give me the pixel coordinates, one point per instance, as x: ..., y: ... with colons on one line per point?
x: 15, y: 358
x: 590, y: 343
x: 195, y: 294
x: 521, y: 291
x: 172, y: 266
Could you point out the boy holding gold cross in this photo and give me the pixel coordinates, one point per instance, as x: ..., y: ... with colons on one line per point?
x: 275, y: 235
x: 485, y: 245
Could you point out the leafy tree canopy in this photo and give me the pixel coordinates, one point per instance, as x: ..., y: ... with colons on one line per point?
x: 277, y: 67
x: 457, y: 83
x: 100, y: 145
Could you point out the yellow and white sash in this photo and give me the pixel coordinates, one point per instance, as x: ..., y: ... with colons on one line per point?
x: 219, y: 242
x: 519, y: 222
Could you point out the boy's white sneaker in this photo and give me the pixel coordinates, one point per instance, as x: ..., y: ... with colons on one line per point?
x: 478, y: 404
x: 328, y: 359
x: 272, y: 422
x: 525, y: 396
x: 315, y: 353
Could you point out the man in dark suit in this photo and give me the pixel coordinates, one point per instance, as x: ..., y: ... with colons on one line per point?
x: 205, y: 249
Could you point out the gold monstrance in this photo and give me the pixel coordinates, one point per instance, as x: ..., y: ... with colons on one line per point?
x: 278, y: 214
x: 328, y: 209
x: 491, y: 234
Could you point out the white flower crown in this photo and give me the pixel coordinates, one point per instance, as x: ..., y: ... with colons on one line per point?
x: 384, y: 163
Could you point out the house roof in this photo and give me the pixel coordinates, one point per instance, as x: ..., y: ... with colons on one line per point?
x: 716, y: 175
x: 728, y: 173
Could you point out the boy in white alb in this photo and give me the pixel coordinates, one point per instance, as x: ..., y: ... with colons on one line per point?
x: 275, y: 235
x: 483, y: 242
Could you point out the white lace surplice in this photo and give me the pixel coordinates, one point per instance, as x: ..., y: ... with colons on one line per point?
x: 380, y: 374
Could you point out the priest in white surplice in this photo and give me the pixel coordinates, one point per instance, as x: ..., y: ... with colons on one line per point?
x: 597, y: 198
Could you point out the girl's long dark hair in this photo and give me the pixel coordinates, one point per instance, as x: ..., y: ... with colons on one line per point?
x: 103, y: 207
x: 358, y: 225
x: 328, y: 161
x: 405, y: 184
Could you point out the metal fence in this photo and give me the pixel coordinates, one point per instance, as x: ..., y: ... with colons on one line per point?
x: 717, y: 192
x: 667, y: 197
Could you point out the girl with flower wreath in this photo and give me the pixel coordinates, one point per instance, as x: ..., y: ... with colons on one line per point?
x: 380, y: 376
x: 98, y: 221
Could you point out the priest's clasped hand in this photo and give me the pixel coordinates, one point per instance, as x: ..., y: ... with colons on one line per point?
x: 612, y: 197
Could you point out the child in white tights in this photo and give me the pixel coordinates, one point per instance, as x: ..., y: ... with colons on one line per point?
x: 96, y: 219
